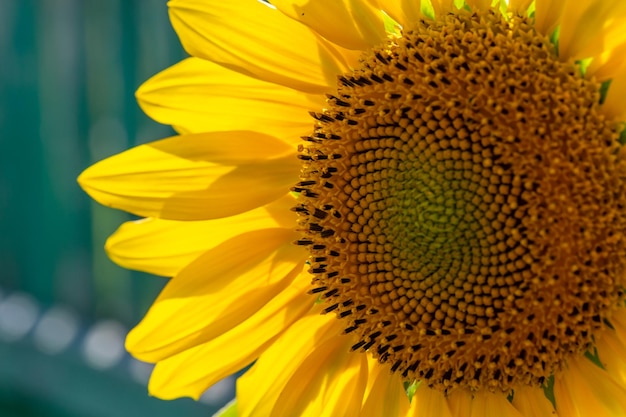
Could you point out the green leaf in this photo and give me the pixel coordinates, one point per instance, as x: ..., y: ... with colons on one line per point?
x: 229, y: 410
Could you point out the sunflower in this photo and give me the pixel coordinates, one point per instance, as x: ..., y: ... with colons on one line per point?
x: 388, y: 208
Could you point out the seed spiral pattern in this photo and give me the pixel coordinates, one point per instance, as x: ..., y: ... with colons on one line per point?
x: 463, y: 199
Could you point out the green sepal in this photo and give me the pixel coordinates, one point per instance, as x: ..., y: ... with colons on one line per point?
x: 391, y: 26
x: 604, y: 89
x: 410, y: 388
x: 548, y: 389
x: 427, y: 9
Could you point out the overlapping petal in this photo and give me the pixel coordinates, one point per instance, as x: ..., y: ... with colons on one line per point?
x: 217, y: 292
x: 405, y: 12
x: 385, y: 394
x: 583, y: 25
x: 610, y: 63
x: 314, y: 362
x: 464, y: 403
x: 352, y: 24
x: 195, y: 177
x: 253, y: 38
x: 532, y: 402
x: 478, y: 4
x: 429, y: 402
x: 612, y: 353
x: 586, y: 390
x: 196, y: 95
x: 548, y: 15
x: 191, y: 372
x: 442, y: 7
x: 519, y: 6
x: 146, y: 244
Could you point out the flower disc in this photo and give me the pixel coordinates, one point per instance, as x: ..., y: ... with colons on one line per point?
x: 462, y: 197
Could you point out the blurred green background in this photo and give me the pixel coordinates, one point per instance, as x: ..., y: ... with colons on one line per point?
x: 68, y: 72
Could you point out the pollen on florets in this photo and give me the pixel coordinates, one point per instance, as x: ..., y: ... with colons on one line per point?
x: 463, y: 199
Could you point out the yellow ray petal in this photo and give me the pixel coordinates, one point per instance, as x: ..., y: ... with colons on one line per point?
x: 429, y: 402
x: 585, y: 390
x: 441, y: 7
x: 612, y: 353
x: 582, y: 26
x: 604, y: 34
x: 548, y: 15
x: 329, y: 383
x: 216, y: 292
x: 519, y: 6
x: 478, y: 4
x: 609, y: 64
x: 259, y: 389
x: 460, y: 403
x: 611, y: 345
x: 196, y: 95
x: 190, y: 373
x: 146, y: 244
x: 618, y: 321
x: 352, y: 24
x: 532, y: 402
x: 195, y: 177
x: 481, y: 404
x: 405, y: 12
x: 486, y: 404
x: 254, y: 38
x: 385, y: 395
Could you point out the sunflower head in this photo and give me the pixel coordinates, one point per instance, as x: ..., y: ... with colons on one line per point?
x: 462, y: 197
x: 459, y: 198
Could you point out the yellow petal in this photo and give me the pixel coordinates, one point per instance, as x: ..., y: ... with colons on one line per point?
x: 460, y: 403
x: 519, y: 6
x: 618, y: 321
x: 611, y: 345
x: 385, y: 394
x: 487, y: 404
x: 429, y: 402
x: 164, y: 247
x: 478, y: 4
x: 254, y: 38
x: 442, y: 7
x: 602, y: 34
x: 352, y: 24
x: 405, y: 12
x: 195, y: 177
x: 612, y: 353
x: 586, y: 390
x: 314, y: 336
x: 329, y: 383
x: 196, y: 95
x: 609, y: 64
x: 218, y: 291
x: 532, y: 402
x: 548, y: 15
x: 191, y: 372
x: 582, y: 26
x: 481, y: 404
